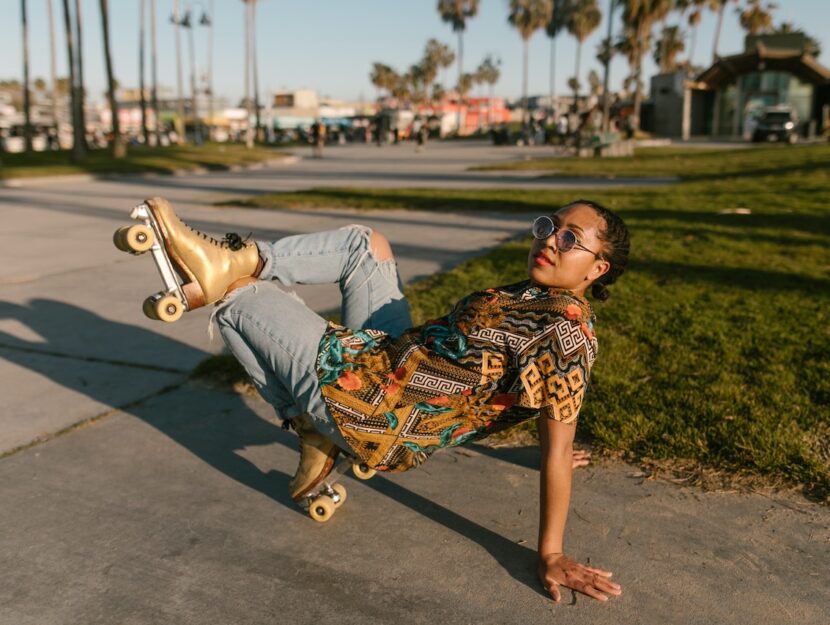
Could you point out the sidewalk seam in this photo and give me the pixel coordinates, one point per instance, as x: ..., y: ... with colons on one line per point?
x: 118, y: 363
x: 91, y: 420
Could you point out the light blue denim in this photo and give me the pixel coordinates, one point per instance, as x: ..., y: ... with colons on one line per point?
x: 275, y: 336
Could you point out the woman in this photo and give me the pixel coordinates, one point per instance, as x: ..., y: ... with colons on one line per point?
x: 390, y: 394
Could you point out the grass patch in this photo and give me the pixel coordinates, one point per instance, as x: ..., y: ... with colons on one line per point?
x: 715, y: 347
x: 139, y: 159
x: 685, y: 163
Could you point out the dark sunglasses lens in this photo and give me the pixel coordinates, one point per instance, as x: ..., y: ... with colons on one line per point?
x: 567, y: 240
x: 542, y: 227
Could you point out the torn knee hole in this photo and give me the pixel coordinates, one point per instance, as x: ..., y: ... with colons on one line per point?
x: 379, y: 247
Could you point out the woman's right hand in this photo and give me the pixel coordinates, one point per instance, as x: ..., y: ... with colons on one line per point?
x: 557, y: 570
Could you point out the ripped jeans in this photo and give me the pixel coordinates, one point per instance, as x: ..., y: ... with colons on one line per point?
x: 275, y: 336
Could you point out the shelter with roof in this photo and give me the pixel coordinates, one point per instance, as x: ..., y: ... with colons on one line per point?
x: 777, y: 69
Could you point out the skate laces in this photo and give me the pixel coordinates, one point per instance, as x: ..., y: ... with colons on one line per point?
x: 236, y: 242
x: 232, y: 240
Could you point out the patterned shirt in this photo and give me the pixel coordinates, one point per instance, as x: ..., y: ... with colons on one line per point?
x: 501, y: 356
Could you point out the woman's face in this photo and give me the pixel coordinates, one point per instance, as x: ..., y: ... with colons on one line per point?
x: 577, y: 268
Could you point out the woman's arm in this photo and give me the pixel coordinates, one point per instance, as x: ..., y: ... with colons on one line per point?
x: 555, y: 568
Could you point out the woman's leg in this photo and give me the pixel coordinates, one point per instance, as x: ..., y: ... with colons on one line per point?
x: 276, y: 338
x: 359, y: 260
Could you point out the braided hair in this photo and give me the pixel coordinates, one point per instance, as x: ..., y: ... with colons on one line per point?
x: 615, y: 244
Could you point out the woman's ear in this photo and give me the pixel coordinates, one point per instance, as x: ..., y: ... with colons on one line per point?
x: 600, y: 268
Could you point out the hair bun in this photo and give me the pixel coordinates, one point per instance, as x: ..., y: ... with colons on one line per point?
x: 600, y: 292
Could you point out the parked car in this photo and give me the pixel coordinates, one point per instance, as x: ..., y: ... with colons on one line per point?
x: 777, y: 124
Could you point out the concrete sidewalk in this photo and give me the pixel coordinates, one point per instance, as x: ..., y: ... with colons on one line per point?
x: 175, y: 511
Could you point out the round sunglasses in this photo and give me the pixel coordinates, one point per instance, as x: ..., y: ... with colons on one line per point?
x: 543, y: 227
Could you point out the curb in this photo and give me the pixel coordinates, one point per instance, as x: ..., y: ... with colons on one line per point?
x: 33, y: 181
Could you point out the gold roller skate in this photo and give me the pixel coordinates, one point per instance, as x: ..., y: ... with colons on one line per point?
x: 196, y: 269
x: 314, y: 485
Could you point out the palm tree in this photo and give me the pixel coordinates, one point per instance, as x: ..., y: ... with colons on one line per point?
x: 694, y: 21
x: 78, y: 139
x: 488, y: 72
x: 117, y: 145
x: 27, y: 105
x: 456, y: 13
x: 528, y: 16
x: 436, y: 56
x: 756, y: 18
x: 558, y: 21
x: 668, y: 47
x: 718, y: 6
x: 383, y: 77
x: 639, y: 16
x: 585, y: 16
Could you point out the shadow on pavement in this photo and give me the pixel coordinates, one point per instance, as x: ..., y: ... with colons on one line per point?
x: 214, y: 437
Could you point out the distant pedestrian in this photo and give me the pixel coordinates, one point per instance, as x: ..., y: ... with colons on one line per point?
x: 318, y: 139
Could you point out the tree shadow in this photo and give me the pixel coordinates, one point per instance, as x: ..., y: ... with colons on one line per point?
x: 810, y: 224
x: 211, y: 436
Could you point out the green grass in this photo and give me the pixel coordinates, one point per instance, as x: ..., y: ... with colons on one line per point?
x: 715, y: 346
x: 139, y: 160
x: 686, y: 163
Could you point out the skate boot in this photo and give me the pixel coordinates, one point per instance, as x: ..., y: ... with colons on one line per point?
x: 317, y: 458
x: 209, y: 265
x: 197, y: 269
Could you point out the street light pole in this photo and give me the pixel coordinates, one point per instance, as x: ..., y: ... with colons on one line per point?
x: 194, y: 107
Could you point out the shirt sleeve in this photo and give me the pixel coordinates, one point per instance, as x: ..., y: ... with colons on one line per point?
x: 554, y: 369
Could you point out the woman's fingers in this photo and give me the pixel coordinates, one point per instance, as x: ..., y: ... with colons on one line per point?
x: 554, y: 592
x: 599, y: 572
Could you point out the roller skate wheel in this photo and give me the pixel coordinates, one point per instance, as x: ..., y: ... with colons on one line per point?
x: 119, y: 238
x: 149, y: 308
x: 138, y: 238
x: 168, y: 309
x: 341, y: 491
x: 321, y: 508
x: 361, y: 471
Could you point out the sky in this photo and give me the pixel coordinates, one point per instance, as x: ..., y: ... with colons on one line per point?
x: 330, y: 45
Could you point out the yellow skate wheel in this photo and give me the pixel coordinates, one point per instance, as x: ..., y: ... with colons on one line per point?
x: 149, y: 308
x: 321, y: 509
x: 169, y: 308
x: 340, y: 490
x: 361, y: 471
x: 119, y: 238
x: 138, y: 238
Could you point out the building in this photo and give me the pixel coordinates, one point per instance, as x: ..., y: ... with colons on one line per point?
x: 777, y: 69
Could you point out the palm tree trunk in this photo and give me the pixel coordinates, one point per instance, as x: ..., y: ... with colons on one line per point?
x: 78, y: 144
x: 154, y: 95
x: 52, y: 64
x: 180, y: 122
x: 717, y: 32
x: 255, y: 69
x: 117, y: 145
x: 692, y: 44
x: 553, y: 76
x: 638, y: 93
x: 460, y: 74
x: 524, y: 86
x: 210, y: 70
x: 142, y: 99
x: 576, y: 74
x: 27, y: 105
x: 249, y: 136
x: 79, y: 50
